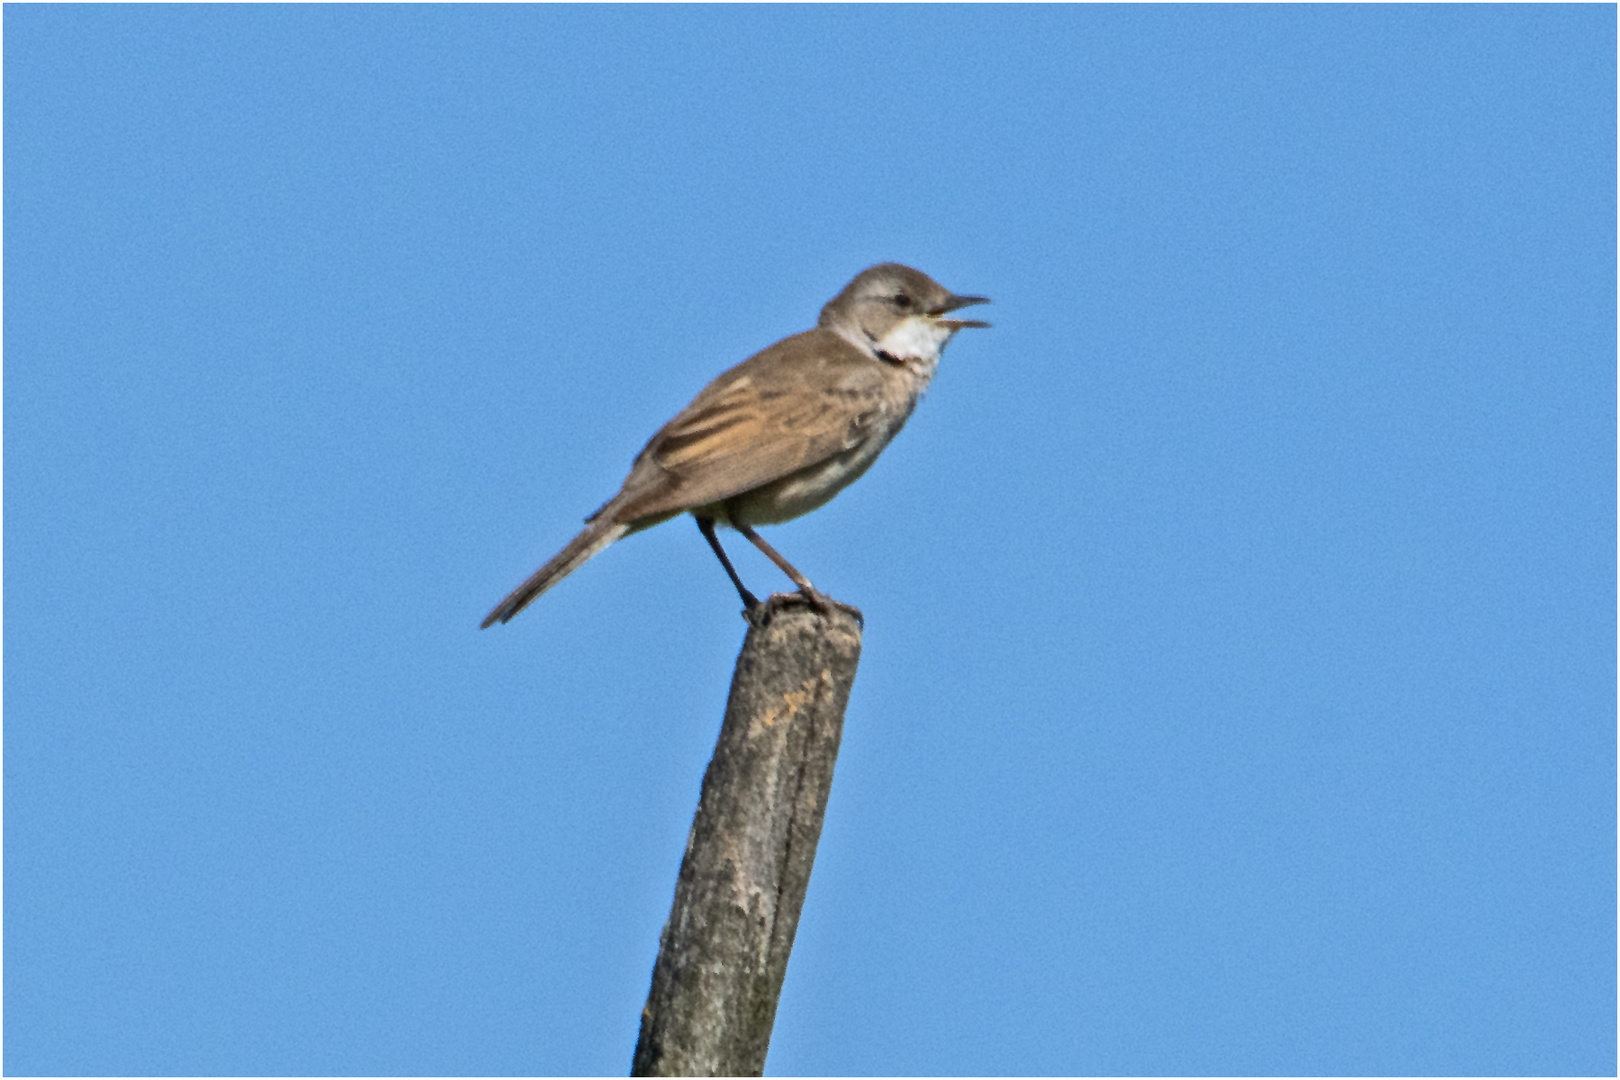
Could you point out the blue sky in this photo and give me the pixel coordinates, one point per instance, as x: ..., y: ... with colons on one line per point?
x: 1239, y: 681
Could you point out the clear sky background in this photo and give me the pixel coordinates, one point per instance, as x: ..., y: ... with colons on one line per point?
x: 1239, y: 682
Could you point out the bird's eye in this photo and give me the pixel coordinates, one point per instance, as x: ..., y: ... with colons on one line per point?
x: 902, y: 301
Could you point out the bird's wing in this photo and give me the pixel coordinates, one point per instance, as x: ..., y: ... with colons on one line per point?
x: 796, y: 404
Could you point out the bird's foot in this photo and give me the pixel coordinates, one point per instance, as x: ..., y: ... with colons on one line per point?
x: 759, y: 614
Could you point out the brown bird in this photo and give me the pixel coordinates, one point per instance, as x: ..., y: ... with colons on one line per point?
x: 782, y: 432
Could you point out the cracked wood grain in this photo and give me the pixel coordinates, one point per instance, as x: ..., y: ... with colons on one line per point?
x: 724, y: 951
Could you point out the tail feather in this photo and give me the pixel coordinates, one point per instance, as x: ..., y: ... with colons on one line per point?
x: 598, y: 535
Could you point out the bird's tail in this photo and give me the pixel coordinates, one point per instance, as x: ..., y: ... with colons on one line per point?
x: 597, y: 535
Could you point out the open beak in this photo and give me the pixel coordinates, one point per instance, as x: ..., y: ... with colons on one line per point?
x: 954, y: 302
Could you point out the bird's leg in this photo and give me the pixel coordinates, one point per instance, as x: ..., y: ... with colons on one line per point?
x: 817, y: 601
x: 706, y: 526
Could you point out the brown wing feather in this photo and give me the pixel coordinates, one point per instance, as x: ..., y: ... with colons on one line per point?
x: 777, y: 412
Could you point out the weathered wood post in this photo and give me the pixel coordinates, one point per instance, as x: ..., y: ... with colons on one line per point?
x: 724, y: 951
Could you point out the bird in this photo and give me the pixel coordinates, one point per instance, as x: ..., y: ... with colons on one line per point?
x: 782, y: 432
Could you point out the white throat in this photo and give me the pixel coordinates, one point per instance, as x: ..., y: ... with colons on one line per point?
x: 916, y: 338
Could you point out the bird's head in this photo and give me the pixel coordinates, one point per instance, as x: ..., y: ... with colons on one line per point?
x: 896, y: 312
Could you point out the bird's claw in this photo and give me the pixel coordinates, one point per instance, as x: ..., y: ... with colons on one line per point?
x: 758, y: 613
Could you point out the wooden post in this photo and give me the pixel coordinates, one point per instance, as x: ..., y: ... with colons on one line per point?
x: 724, y: 951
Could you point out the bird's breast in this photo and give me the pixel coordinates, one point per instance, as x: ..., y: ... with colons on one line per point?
x: 904, y: 380
x: 809, y: 488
